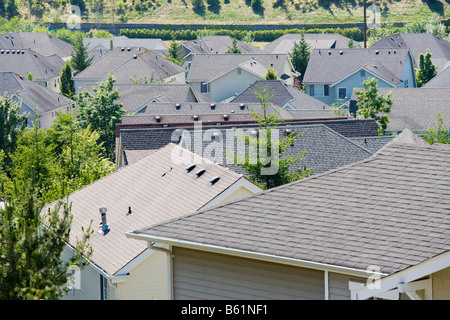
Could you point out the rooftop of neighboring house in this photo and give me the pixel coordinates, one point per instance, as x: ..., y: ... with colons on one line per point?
x: 155, y: 189
x: 285, y: 43
x: 282, y: 95
x: 24, y: 61
x: 43, y: 99
x: 131, y: 63
x: 441, y: 80
x: 332, y: 65
x: 215, y: 45
x: 40, y: 42
x: 416, y: 108
x: 389, y: 210
x: 418, y: 43
x: 207, y: 67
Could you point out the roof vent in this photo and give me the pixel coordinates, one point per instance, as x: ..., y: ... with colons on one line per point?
x: 122, y: 49
x: 2, y: 51
x: 128, y: 49
x: 104, y: 228
x: 135, y: 57
x: 242, y: 106
x: 129, y: 211
x: 341, y: 52
x: 178, y: 106
x: 213, y: 106
x: 190, y: 168
x: 377, y: 52
x: 13, y: 51
x: 199, y: 173
x: 195, y: 118
x: 329, y: 53
x: 158, y: 119
x: 215, y: 136
x: 213, y: 181
x: 225, y: 117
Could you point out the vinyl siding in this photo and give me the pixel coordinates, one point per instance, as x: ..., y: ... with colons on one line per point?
x: 204, y: 276
x: 441, y: 284
x: 338, y: 285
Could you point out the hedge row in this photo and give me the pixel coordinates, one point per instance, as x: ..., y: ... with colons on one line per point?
x: 258, y: 35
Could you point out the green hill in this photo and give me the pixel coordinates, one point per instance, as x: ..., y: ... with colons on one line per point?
x: 241, y: 12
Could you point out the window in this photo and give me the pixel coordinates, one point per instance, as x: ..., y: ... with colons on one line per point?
x: 363, y: 73
x: 326, y: 90
x: 103, y: 288
x: 239, y: 71
x: 204, y: 87
x: 311, y: 90
x: 406, y: 83
x: 342, y: 93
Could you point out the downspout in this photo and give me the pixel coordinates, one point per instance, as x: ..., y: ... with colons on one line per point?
x: 169, y: 255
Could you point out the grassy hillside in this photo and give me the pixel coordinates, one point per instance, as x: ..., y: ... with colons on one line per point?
x: 232, y: 12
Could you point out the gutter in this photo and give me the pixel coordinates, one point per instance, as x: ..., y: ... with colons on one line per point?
x: 253, y: 255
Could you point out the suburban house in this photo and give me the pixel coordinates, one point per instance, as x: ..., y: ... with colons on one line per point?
x: 441, y: 80
x: 377, y: 228
x: 285, y: 43
x: 34, y: 100
x: 414, y: 108
x: 418, y: 43
x: 212, y: 45
x: 131, y: 65
x: 39, y: 42
x: 46, y: 70
x: 222, y: 76
x: 166, y: 184
x: 282, y: 94
x: 98, y: 47
x: 331, y: 75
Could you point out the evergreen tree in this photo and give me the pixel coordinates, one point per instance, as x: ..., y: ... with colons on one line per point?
x: 11, y: 9
x: 175, y: 54
x: 102, y: 113
x: 67, y: 85
x: 373, y: 106
x: 234, y: 49
x: 271, y: 74
x: 426, y: 71
x: 300, y: 56
x: 80, y: 56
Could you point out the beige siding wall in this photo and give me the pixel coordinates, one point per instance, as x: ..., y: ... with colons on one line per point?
x: 238, y: 194
x: 338, y: 285
x: 441, y: 284
x: 147, y: 281
x: 203, y: 275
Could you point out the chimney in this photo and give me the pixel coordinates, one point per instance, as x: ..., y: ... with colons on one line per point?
x: 103, y: 224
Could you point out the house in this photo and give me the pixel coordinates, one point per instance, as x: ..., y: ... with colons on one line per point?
x: 212, y: 45
x: 415, y: 108
x: 356, y: 232
x: 331, y: 75
x: 166, y: 184
x: 222, y: 76
x: 285, y: 43
x: 34, y: 100
x: 40, y: 42
x: 418, y: 43
x: 441, y: 80
x: 46, y: 71
x: 131, y: 65
x: 135, y: 98
x: 283, y: 95
x: 98, y: 47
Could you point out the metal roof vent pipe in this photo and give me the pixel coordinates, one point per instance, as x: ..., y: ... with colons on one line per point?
x: 129, y: 211
x: 104, y: 228
x: 213, y: 106
x: 242, y: 106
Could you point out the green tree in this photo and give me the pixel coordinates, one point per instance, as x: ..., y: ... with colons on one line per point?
x: 102, y: 113
x: 175, y: 54
x: 440, y: 134
x: 300, y: 56
x: 271, y: 168
x: 31, y: 77
x: 271, y: 74
x: 11, y: 9
x: 234, y: 49
x: 373, y: 106
x: 80, y: 56
x: 67, y: 85
x: 198, y: 4
x: 256, y: 4
x: 426, y: 71
x: 11, y: 124
x: 33, y: 241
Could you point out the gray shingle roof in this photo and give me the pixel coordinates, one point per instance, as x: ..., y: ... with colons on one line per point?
x: 215, y: 45
x: 206, y: 67
x: 43, y: 99
x: 124, y: 41
x: 40, y: 42
x: 282, y: 94
x: 441, y: 80
x: 152, y: 196
x: 330, y: 66
x: 390, y: 210
x: 25, y: 60
x: 418, y: 43
x: 285, y: 43
x: 416, y: 108
x: 373, y: 144
x: 137, y: 63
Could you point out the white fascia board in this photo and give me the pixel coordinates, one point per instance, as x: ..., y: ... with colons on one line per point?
x: 359, y: 69
x: 406, y: 276
x: 125, y: 270
x: 251, y: 255
x: 232, y: 69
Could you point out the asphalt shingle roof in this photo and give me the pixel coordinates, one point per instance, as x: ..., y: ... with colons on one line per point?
x: 390, y: 210
x: 157, y: 188
x: 216, y: 45
x: 441, y: 80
